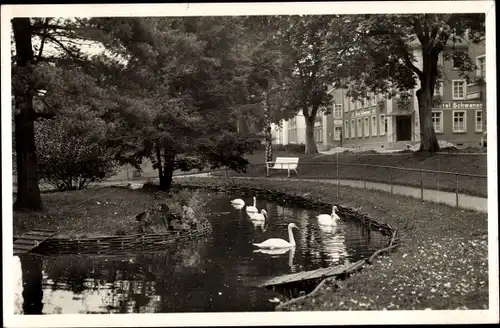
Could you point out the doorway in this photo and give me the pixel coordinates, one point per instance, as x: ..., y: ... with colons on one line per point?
x: 403, y: 128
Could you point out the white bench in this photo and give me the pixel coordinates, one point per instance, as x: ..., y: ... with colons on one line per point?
x: 283, y: 163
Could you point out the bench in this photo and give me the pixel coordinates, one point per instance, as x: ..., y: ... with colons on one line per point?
x: 283, y: 163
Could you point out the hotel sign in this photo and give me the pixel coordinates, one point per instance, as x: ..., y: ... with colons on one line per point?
x: 459, y: 105
x: 363, y: 113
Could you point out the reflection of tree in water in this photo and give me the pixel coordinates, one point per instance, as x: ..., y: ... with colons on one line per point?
x: 31, y: 267
x: 126, y: 283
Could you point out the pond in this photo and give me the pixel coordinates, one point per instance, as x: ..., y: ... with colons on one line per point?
x: 215, y: 274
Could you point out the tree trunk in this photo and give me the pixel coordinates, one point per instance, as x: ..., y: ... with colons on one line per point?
x: 269, y: 136
x: 28, y: 191
x: 311, y: 147
x: 159, y: 162
x: 168, y: 169
x: 428, y: 139
x: 32, y: 284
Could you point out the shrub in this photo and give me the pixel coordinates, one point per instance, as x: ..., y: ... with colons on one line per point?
x: 184, y: 207
x: 71, y: 151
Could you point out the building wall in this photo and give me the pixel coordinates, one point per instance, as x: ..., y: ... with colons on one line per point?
x: 384, y: 132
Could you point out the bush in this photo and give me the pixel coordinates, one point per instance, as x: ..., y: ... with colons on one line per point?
x: 71, y: 152
x: 182, y: 210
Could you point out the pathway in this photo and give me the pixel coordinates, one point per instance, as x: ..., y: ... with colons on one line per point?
x: 436, y: 196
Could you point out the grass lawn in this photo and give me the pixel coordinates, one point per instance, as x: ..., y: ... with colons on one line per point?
x: 442, y: 262
x: 88, y: 213
x: 325, y: 167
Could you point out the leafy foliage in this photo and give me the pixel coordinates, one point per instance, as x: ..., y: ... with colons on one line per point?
x: 181, y: 210
x: 314, y: 50
x: 181, y: 92
x: 71, y: 151
x: 380, y: 57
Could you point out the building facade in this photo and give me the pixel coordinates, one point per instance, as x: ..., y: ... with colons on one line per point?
x: 458, y: 113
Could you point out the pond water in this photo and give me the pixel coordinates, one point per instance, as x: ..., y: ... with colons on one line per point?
x: 218, y: 273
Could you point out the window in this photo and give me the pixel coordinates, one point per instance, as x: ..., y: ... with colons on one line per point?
x: 374, y: 100
x: 374, y: 125
x: 360, y: 128
x: 481, y: 66
x: 337, y: 110
x: 459, y: 121
x: 346, y: 129
x: 337, y: 132
x: 353, y: 104
x: 367, y: 126
x: 353, y: 129
x: 383, y: 125
x: 458, y: 89
x: 437, y: 121
x: 479, y: 121
x: 358, y: 104
x: 438, y: 88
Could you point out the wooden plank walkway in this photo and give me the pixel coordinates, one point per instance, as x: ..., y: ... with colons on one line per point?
x: 30, y: 240
x: 306, y: 275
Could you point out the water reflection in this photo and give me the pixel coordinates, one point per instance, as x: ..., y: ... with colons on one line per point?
x: 214, y: 274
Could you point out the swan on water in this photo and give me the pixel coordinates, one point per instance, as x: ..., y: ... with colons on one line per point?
x: 238, y: 207
x: 278, y: 242
x: 238, y: 201
x: 253, y: 209
x: 259, y: 219
x: 262, y: 216
x: 329, y: 219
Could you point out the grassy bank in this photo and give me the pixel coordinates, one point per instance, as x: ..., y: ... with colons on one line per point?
x: 87, y: 213
x: 441, y: 263
x: 325, y: 167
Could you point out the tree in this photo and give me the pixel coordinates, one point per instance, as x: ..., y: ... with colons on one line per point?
x: 269, y: 69
x: 71, y: 150
x: 306, y: 37
x: 383, y: 59
x: 33, y: 71
x: 28, y: 192
x: 177, y: 92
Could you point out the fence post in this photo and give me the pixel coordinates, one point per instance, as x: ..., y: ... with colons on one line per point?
x: 456, y: 194
x: 338, y: 182
x: 422, y: 185
x: 365, y: 175
x: 392, y: 189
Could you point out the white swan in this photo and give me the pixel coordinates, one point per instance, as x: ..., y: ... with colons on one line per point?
x: 253, y: 209
x: 259, y: 219
x: 238, y: 201
x: 327, y: 219
x: 273, y: 243
x: 262, y: 216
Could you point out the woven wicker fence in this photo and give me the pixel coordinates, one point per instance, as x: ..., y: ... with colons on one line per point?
x: 115, y: 245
